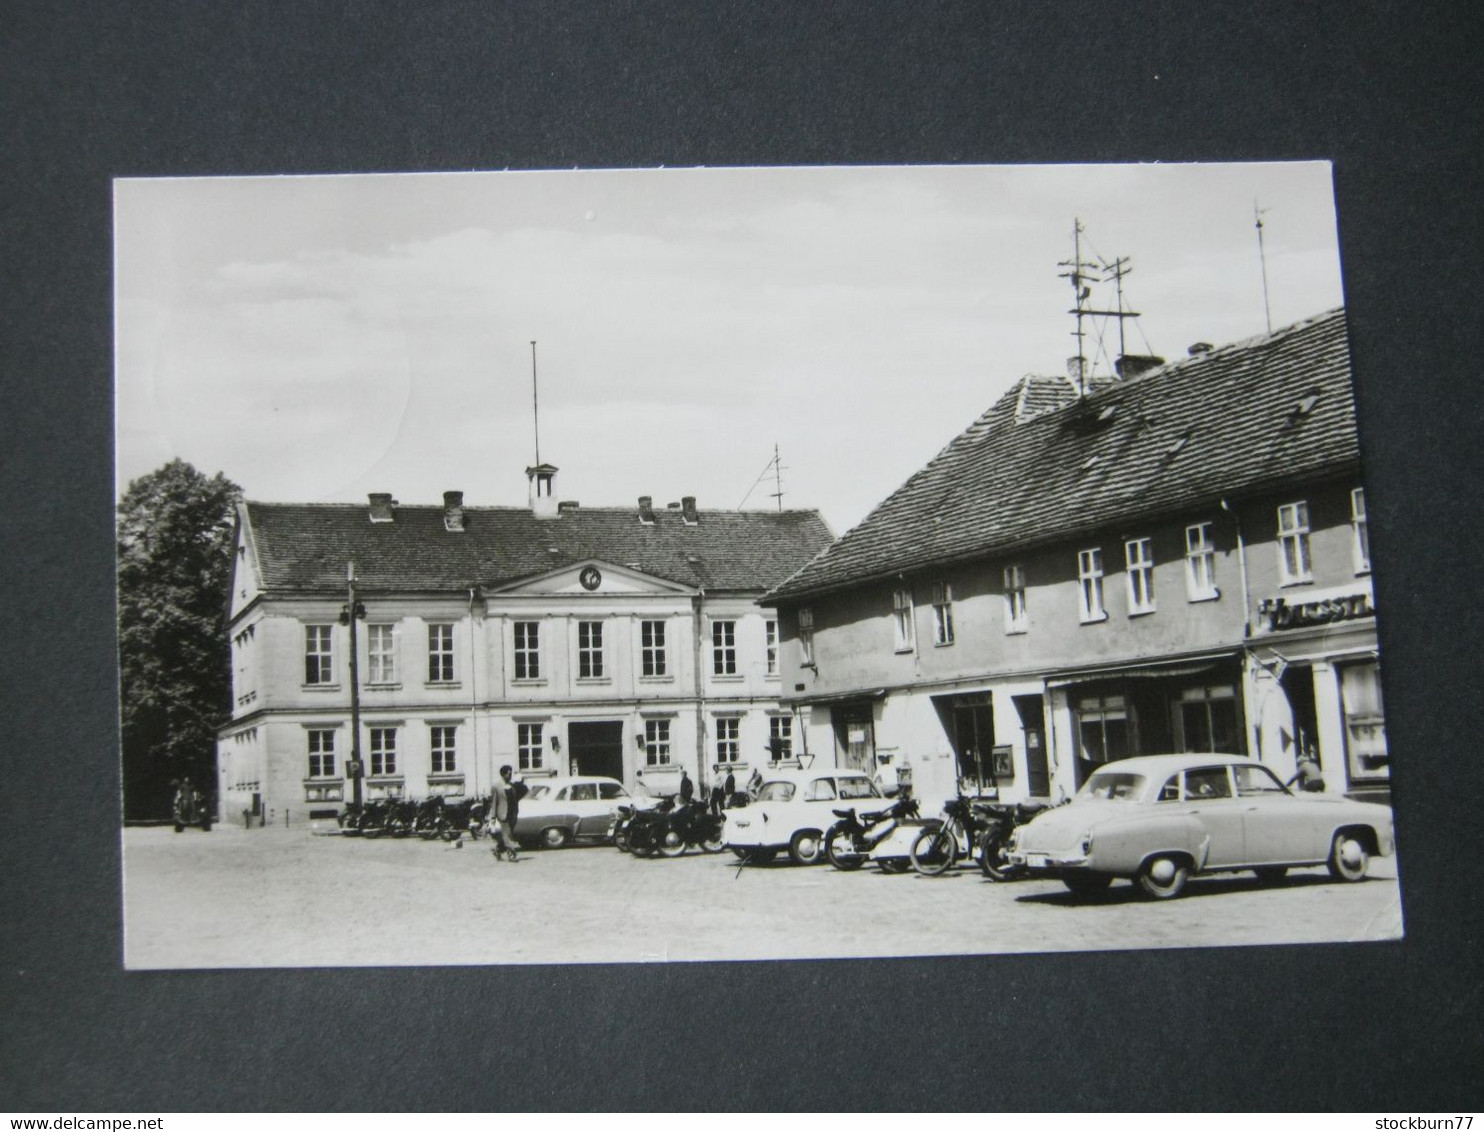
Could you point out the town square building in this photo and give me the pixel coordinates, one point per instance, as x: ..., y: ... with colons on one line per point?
x: 555, y: 638
x: 1175, y: 559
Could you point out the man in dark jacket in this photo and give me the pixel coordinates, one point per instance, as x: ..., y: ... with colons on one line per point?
x: 687, y: 788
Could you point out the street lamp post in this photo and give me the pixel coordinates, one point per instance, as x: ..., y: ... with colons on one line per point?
x: 350, y: 613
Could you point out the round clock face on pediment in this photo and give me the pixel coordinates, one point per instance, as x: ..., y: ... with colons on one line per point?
x: 591, y: 577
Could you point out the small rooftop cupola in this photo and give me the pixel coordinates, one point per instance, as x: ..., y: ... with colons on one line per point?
x: 688, y: 510
x: 381, y: 506
x: 646, y: 510
x: 541, y: 480
x: 453, y: 510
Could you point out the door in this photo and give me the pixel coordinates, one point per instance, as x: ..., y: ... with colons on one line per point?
x: 855, y: 734
x: 1210, y: 798
x: 973, y: 742
x: 596, y: 747
x: 1032, y: 712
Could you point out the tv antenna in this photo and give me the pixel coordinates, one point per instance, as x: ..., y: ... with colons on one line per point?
x: 1083, y: 274
x: 775, y: 465
x: 1262, y: 259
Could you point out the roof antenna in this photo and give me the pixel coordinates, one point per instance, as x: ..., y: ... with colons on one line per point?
x: 535, y: 410
x: 775, y: 465
x: 1262, y: 257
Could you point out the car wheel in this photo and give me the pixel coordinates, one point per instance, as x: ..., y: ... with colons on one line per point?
x: 806, y: 847
x: 621, y: 839
x: 840, y: 851
x: 1164, y: 877
x: 895, y: 865
x: 555, y: 837
x: 1271, y: 874
x: 1086, y: 884
x: 934, y: 851
x: 671, y: 844
x: 1348, y: 858
x: 994, y: 858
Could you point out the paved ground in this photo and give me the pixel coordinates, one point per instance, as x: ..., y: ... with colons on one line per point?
x: 274, y: 898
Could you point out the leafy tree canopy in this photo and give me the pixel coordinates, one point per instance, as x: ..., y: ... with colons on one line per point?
x: 175, y: 530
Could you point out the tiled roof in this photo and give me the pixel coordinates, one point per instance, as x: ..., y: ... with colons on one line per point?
x: 1219, y: 423
x: 305, y: 546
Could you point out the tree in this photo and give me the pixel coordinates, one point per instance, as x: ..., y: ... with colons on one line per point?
x: 175, y: 529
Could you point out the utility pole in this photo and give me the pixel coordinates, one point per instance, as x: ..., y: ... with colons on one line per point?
x: 1262, y: 257
x: 350, y: 613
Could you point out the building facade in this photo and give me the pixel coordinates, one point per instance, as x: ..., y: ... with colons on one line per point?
x: 557, y: 639
x: 1175, y: 561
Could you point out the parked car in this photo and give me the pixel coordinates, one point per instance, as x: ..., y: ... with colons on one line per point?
x: 1160, y: 819
x: 559, y: 811
x: 792, y: 810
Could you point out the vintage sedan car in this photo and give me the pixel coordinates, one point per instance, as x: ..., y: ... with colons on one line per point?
x: 559, y: 811
x: 1160, y: 819
x: 792, y: 810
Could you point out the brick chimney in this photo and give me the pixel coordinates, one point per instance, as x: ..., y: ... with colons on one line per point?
x: 453, y: 510
x: 1132, y: 365
x: 688, y: 510
x: 381, y: 506
x: 646, y: 510
x: 567, y: 507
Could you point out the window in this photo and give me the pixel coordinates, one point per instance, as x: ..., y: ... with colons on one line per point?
x: 440, y: 654
x: 1361, y: 533
x: 1208, y: 782
x: 901, y: 619
x: 780, y: 737
x: 318, y: 666
x: 806, y: 636
x: 1293, y: 543
x: 1139, y: 555
x: 442, y: 741
x: 610, y: 791
x: 321, y: 753
x: 724, y: 648
x: 1015, y: 612
x: 584, y: 792
x: 942, y: 614
x: 1090, y: 580
x: 383, y: 750
x: 382, y: 654
x: 589, y: 650
x: 1103, y: 728
x: 527, y: 650
x: 652, y: 647
x: 1208, y: 719
x: 656, y: 742
x: 727, y: 745
x: 529, y: 745
x: 1253, y: 781
x: 1200, y: 563
x: 820, y: 790
x: 770, y: 635
x: 1365, y: 726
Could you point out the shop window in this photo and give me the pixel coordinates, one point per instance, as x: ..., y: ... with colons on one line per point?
x: 319, y: 658
x: 1015, y: 609
x: 728, y: 745
x: 657, y: 742
x: 1103, y: 732
x: 530, y: 745
x: 724, y: 648
x: 440, y: 654
x: 527, y: 650
x: 1090, y: 585
x: 901, y: 619
x: 589, y: 650
x: 1294, y: 564
x: 942, y: 614
x: 1359, y: 532
x: 652, y: 656
x: 1365, y: 726
x: 321, y: 753
x: 1200, y: 563
x: 1139, y: 555
x: 1208, y: 719
x: 381, y: 654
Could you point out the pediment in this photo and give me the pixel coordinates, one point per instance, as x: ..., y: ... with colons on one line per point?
x: 596, y: 578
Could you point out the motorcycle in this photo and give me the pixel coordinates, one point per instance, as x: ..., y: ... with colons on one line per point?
x: 401, y: 816
x: 994, y: 841
x: 848, y: 842
x: 350, y: 819
x: 188, y: 807
x: 690, y: 825
x: 645, y: 828
x: 431, y: 820
x: 465, y: 817
x: 966, y: 822
x: 374, y: 816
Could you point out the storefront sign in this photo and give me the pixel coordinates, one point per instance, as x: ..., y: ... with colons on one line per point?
x: 1284, y: 614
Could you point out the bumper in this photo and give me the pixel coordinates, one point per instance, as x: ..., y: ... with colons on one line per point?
x: 1050, y: 862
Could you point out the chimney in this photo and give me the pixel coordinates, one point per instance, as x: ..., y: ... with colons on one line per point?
x: 1197, y: 348
x: 688, y: 510
x: 381, y: 506
x: 567, y: 507
x: 1132, y: 365
x: 453, y: 510
x: 646, y: 510
x: 541, y: 481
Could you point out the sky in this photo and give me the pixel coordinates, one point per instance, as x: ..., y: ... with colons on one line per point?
x: 317, y: 339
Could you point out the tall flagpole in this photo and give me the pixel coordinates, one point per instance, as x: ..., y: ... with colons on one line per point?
x: 535, y: 409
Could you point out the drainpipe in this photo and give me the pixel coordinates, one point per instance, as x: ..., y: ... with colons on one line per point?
x: 473, y: 694
x: 698, y: 604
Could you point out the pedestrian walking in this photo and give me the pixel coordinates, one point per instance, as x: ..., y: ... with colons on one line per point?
x: 504, y: 809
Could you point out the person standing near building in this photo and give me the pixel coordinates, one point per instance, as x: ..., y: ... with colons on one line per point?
x: 687, y: 788
x: 504, y: 809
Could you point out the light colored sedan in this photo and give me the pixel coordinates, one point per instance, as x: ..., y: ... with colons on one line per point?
x: 558, y: 811
x: 792, y: 810
x: 1160, y: 819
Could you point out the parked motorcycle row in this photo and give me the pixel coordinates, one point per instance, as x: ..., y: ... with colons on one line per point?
x: 431, y: 819
x: 668, y: 829
x: 896, y: 839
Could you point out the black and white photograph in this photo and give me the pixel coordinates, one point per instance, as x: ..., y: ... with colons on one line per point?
x: 668, y: 565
